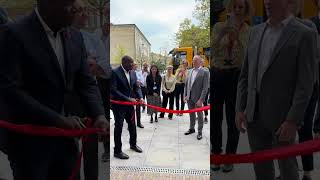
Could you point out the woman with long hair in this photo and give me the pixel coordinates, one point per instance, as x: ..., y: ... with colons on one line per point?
x: 168, y: 86
x: 153, y: 91
x: 181, y: 75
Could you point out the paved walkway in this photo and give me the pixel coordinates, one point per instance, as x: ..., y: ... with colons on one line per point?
x: 165, y: 145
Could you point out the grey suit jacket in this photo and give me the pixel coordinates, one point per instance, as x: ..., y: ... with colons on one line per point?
x: 286, y: 85
x: 311, y: 25
x: 199, y: 88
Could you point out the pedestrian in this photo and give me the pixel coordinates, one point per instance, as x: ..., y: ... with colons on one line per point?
x: 153, y: 96
x: 140, y: 80
x: 271, y: 104
x: 229, y: 43
x: 195, y: 92
x: 181, y: 75
x: 168, y: 85
x: 145, y: 73
x: 125, y: 88
x: 34, y: 83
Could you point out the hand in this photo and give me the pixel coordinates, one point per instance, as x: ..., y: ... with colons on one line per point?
x: 185, y: 99
x: 132, y: 100
x: 199, y: 103
x: 155, y: 94
x: 240, y: 121
x: 141, y: 100
x: 317, y: 135
x: 92, y: 65
x: 102, y: 123
x: 72, y: 122
x: 139, y: 83
x: 287, y: 131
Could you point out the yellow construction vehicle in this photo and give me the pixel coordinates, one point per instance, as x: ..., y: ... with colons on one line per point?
x: 258, y: 14
x: 187, y: 53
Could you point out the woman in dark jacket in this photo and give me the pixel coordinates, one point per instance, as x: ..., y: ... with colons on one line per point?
x: 153, y: 87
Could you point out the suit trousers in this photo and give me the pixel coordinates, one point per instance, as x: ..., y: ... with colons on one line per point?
x: 192, y: 105
x: 205, y: 103
x: 166, y: 97
x: 121, y: 114
x: 104, y: 86
x: 305, y: 132
x: 179, y: 93
x: 223, y: 92
x: 261, y: 138
x: 42, y: 158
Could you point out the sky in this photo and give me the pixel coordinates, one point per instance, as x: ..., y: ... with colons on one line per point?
x: 157, y: 19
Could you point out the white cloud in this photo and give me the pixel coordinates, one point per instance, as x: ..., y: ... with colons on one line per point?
x: 158, y: 19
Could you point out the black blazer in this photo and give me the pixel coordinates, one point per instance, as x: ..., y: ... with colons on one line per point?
x: 121, y: 90
x: 32, y: 86
x: 151, y: 83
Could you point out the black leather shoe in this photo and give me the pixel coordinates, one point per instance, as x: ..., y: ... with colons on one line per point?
x: 190, y: 131
x: 199, y: 137
x: 136, y: 149
x: 306, y: 178
x: 140, y: 126
x: 121, y: 155
x: 278, y: 178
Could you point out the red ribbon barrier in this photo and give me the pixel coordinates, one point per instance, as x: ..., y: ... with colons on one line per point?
x: 48, y: 131
x: 162, y: 109
x: 304, y: 148
x: 55, y: 132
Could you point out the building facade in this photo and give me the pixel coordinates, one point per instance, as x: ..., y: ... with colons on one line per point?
x: 127, y: 39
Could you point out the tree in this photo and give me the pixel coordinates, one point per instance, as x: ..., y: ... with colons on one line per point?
x: 192, y: 35
x: 121, y: 52
x: 159, y: 61
x: 100, y: 8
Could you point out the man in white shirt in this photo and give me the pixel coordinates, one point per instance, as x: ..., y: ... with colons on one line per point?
x: 140, y: 80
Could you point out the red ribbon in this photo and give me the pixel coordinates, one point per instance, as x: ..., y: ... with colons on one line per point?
x: 162, y: 109
x: 55, y: 132
x: 304, y: 148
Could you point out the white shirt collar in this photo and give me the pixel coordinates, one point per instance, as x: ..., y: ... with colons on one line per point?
x: 125, y: 71
x: 44, y: 24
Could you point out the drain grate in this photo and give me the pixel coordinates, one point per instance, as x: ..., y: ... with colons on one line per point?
x: 162, y: 170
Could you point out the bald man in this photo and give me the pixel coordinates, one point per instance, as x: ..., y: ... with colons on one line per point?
x: 42, y: 63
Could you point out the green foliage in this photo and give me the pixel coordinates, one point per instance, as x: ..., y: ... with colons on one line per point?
x: 117, y: 58
x: 190, y: 35
x: 159, y: 61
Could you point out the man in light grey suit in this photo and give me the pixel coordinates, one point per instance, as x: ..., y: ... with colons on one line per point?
x: 275, y: 85
x: 195, y: 93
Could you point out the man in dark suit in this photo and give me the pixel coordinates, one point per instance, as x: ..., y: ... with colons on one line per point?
x: 42, y: 63
x: 125, y: 88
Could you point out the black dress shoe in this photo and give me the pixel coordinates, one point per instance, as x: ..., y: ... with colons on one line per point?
x: 140, y: 126
x: 121, y: 155
x: 190, y: 131
x: 199, y: 137
x: 136, y: 149
x: 306, y: 178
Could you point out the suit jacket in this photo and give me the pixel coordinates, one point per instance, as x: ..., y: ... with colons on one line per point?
x: 32, y: 87
x: 121, y: 90
x: 150, y: 84
x: 287, y: 83
x: 198, y: 90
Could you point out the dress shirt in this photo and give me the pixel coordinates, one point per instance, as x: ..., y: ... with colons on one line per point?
x: 127, y: 74
x: 271, y: 36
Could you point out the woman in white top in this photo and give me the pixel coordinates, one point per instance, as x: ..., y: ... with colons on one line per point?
x: 168, y: 85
